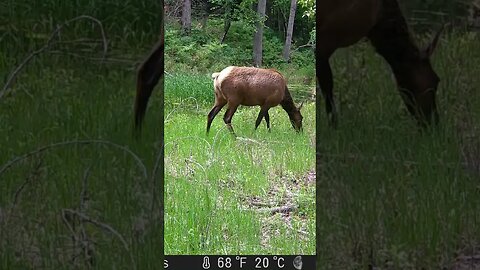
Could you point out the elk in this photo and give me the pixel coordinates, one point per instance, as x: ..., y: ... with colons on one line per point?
x: 251, y: 86
x: 342, y: 23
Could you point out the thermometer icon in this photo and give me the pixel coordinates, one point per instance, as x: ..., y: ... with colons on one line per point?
x: 206, y: 262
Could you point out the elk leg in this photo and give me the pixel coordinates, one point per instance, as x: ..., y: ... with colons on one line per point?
x: 325, y: 79
x: 267, y: 119
x: 212, y: 114
x: 261, y: 114
x: 227, y: 118
x: 219, y: 103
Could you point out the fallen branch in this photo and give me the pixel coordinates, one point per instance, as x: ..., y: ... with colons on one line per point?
x: 274, y: 210
x: 261, y: 204
x: 47, y: 45
x: 103, y: 226
x: 303, y: 46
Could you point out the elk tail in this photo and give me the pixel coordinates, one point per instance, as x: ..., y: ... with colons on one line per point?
x: 215, y: 75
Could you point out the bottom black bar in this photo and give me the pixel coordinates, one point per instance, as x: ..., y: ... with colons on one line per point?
x: 237, y: 262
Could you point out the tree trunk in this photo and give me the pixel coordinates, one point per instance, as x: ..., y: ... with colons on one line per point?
x: 206, y: 13
x: 227, y: 21
x: 288, y: 41
x: 187, y: 16
x: 226, y: 27
x: 257, y: 41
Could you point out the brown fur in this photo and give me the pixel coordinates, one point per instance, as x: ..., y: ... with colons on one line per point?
x: 344, y: 22
x: 249, y: 86
x: 341, y: 23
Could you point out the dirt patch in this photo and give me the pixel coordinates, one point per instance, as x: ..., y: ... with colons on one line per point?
x: 280, y: 207
x: 467, y: 258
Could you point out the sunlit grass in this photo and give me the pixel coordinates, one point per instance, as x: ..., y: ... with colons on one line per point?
x: 211, y: 180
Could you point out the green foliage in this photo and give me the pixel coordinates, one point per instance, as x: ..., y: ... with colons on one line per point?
x: 202, y: 52
x: 282, y: 6
x: 242, y: 10
x: 309, y: 7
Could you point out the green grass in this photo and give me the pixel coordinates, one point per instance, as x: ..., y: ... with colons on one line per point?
x: 57, y: 100
x: 390, y: 195
x: 27, y: 24
x: 211, y: 181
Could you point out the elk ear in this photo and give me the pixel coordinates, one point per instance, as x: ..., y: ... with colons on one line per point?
x: 431, y: 47
x: 300, y: 107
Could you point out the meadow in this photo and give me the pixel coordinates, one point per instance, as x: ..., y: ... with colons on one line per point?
x: 222, y: 193
x: 390, y: 195
x: 76, y: 189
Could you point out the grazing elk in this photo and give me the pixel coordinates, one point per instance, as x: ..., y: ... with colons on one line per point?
x: 251, y: 86
x: 341, y: 23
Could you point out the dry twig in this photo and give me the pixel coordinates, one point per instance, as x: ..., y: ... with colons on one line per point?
x: 103, y: 226
x: 279, y: 209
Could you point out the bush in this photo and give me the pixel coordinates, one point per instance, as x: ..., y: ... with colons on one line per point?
x: 201, y: 51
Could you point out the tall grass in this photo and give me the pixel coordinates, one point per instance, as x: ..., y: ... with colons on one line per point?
x: 87, y: 198
x: 216, y: 186
x: 392, y: 196
x: 132, y: 25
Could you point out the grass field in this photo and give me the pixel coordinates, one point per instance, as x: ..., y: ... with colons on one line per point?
x: 77, y: 190
x: 81, y: 191
x: 391, y: 196
x: 219, y: 191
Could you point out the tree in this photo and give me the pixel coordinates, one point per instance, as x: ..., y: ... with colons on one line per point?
x: 233, y: 11
x: 257, y: 41
x: 187, y: 16
x: 288, y: 41
x: 228, y: 20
